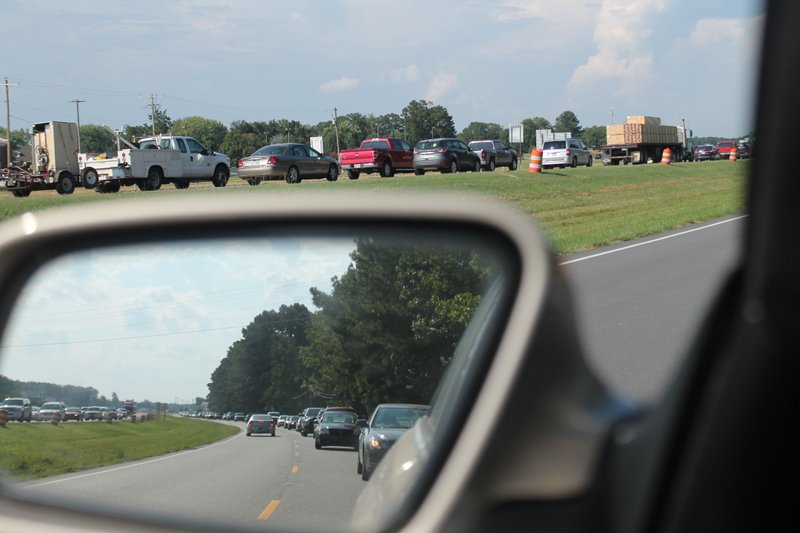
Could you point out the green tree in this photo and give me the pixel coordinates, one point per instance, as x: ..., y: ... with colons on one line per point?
x: 97, y: 139
x: 19, y: 138
x: 238, y: 144
x: 529, y: 127
x: 210, y: 133
x: 478, y: 131
x: 424, y: 120
x: 389, y: 327
x: 594, y: 137
x: 568, y: 121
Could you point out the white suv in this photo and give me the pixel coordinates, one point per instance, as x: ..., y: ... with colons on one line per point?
x: 565, y: 152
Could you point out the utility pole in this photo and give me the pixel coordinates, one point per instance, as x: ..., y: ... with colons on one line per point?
x: 8, y: 121
x: 153, y: 106
x: 612, y: 115
x: 78, y: 113
x: 336, y: 129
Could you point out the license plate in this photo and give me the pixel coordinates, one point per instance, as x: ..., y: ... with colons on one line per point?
x: 357, y: 165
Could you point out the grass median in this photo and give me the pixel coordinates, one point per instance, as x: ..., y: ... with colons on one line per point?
x: 580, y: 208
x: 36, y: 450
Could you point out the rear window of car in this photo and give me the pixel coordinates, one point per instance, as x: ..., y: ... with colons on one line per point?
x: 51, y: 405
x: 428, y: 145
x: 725, y: 144
x: 270, y: 150
x: 480, y: 146
x: 375, y: 145
x: 555, y: 145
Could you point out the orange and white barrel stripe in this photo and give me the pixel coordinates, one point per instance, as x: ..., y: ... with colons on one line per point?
x: 666, y: 157
x: 734, y: 153
x: 536, y: 161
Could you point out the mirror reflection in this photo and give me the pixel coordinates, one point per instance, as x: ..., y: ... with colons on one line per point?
x: 242, y: 381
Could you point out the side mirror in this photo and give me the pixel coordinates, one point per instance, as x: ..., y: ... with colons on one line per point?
x: 362, y: 423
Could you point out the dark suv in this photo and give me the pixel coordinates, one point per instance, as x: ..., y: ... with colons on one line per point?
x: 444, y: 155
x: 306, y: 423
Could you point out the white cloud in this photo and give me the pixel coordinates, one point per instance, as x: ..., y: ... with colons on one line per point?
x: 404, y: 74
x: 713, y: 31
x: 547, y: 10
x: 342, y: 84
x: 621, y: 28
x: 441, y: 85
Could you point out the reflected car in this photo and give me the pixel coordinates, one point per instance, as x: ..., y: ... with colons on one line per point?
x: 50, y: 410
x: 293, y: 162
x: 387, y: 423
x: 705, y: 152
x: 337, y: 427
x: 444, y: 155
x: 306, y: 423
x: 73, y: 413
x: 260, y: 423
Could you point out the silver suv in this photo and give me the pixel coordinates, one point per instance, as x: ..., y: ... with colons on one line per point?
x: 17, y: 409
x: 565, y: 152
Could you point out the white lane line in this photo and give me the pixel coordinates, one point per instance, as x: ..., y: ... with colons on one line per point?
x: 607, y: 252
x: 163, y: 458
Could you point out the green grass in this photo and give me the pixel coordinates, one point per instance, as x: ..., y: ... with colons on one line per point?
x: 36, y: 450
x: 580, y: 208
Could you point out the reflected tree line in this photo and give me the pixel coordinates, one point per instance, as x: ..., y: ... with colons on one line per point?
x: 385, y: 333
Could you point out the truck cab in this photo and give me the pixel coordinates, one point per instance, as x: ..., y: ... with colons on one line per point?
x: 197, y: 160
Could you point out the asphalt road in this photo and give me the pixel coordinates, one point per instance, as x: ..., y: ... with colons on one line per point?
x: 638, y: 305
x: 279, y: 481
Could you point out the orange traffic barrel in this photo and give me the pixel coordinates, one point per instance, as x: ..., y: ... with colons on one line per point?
x: 666, y: 157
x: 536, y: 161
x: 734, y: 153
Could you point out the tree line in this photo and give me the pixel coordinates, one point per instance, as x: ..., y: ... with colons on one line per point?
x: 40, y: 392
x: 385, y: 333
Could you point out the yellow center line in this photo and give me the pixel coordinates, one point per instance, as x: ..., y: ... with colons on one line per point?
x: 269, y: 509
x: 295, y: 469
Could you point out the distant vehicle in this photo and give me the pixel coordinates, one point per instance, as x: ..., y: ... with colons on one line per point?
x: 724, y: 148
x: 260, y: 423
x: 291, y: 423
x: 51, y: 409
x: 383, y: 155
x: 73, y: 413
x: 18, y: 409
x: 238, y: 417
x: 338, y: 427
x: 566, y: 153
x: 705, y: 152
x: 282, y: 420
x: 228, y: 416
x: 387, y: 423
x: 35, y: 412
x: 742, y: 150
x: 157, y: 160
x: 122, y: 413
x: 444, y: 155
x: 93, y: 412
x: 494, y: 154
x: 306, y: 423
x: 274, y: 414
x: 291, y: 161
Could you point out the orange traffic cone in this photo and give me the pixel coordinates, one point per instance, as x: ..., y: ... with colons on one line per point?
x: 536, y: 161
x: 734, y: 153
x: 666, y: 157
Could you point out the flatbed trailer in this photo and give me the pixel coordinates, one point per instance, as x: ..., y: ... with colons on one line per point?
x: 623, y: 154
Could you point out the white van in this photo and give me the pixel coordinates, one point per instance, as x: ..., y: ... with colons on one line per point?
x: 565, y: 152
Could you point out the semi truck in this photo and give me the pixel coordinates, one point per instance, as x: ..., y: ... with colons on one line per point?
x: 54, y: 164
x: 156, y: 160
x: 643, y: 139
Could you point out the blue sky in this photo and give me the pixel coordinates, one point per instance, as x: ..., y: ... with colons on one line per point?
x: 489, y: 61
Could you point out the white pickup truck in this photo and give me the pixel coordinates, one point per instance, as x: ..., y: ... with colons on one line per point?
x: 157, y: 160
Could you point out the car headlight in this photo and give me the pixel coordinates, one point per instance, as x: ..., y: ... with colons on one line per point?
x: 375, y: 443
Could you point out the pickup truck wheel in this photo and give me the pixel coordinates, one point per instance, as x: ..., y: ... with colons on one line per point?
x: 292, y: 175
x: 90, y: 178
x: 152, y: 182
x: 333, y: 173
x: 419, y: 172
x: 21, y: 194
x: 353, y: 174
x: 386, y: 170
x: 181, y: 184
x: 513, y: 165
x: 221, y: 175
x: 65, y: 183
x: 491, y: 166
x: 477, y: 166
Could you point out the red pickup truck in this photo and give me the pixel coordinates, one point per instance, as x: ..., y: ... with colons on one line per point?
x: 383, y: 155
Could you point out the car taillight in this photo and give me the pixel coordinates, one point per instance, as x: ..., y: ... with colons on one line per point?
x: 567, y: 151
x: 416, y: 150
x: 272, y: 160
x: 483, y: 155
x: 240, y: 163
